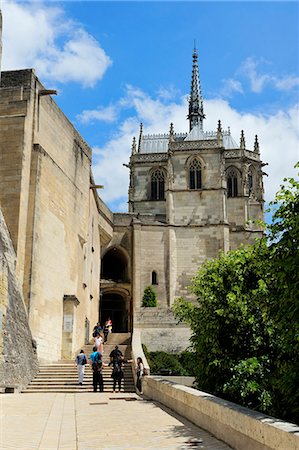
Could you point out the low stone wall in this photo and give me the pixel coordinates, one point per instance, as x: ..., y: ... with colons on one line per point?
x: 239, y: 427
x: 177, y: 379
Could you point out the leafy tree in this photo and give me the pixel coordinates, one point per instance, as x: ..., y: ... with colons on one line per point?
x: 283, y: 236
x: 228, y: 323
x: 245, y: 322
x: 149, y: 297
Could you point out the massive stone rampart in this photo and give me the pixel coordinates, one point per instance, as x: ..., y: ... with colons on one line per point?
x: 18, y: 360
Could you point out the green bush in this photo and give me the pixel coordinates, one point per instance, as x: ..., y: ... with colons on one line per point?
x: 170, y: 363
x: 149, y: 297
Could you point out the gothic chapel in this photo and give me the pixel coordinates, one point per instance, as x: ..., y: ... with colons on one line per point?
x: 191, y: 195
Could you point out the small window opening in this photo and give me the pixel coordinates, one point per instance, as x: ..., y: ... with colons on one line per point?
x: 154, y: 277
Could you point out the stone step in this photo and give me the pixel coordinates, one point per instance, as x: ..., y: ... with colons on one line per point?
x: 62, y: 376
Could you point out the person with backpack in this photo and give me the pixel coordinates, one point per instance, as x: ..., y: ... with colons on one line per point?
x: 81, y: 361
x: 97, y: 330
x: 97, y: 367
x: 116, y: 361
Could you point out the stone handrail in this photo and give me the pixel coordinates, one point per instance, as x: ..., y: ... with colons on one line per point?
x: 137, y: 351
x: 239, y: 427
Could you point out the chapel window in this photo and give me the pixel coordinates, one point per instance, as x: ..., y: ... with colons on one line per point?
x: 154, y: 277
x: 232, y: 183
x: 158, y: 185
x: 195, y: 181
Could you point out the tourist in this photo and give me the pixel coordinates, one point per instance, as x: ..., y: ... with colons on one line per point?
x: 116, y: 361
x: 97, y: 330
x: 117, y: 372
x: 109, y: 325
x: 98, y: 342
x: 106, y: 330
x: 140, y: 374
x: 97, y: 367
x: 80, y: 361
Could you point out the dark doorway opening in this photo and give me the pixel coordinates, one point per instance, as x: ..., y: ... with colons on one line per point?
x: 115, y: 266
x: 114, y: 306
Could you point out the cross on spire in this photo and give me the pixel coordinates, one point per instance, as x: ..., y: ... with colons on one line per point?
x: 196, y: 114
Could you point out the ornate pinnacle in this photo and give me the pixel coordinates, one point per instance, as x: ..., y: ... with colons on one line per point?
x: 171, y: 132
x: 140, y: 138
x: 242, y: 140
x: 134, y: 146
x: 219, y: 133
x: 196, y: 114
x: 256, y: 145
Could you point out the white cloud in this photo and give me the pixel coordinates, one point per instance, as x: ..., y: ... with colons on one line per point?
x: 230, y: 86
x: 286, y: 83
x: 278, y: 136
x: 107, y: 114
x: 259, y: 80
x: 42, y: 37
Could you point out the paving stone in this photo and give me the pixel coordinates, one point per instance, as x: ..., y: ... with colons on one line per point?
x: 57, y: 421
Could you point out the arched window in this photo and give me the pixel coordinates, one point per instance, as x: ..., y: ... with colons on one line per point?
x: 154, y: 277
x: 232, y: 183
x: 158, y: 185
x: 195, y: 174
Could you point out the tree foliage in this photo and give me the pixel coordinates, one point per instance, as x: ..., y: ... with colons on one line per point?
x: 149, y: 297
x: 245, y: 322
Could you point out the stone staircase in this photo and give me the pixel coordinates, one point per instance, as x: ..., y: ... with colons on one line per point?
x: 62, y: 376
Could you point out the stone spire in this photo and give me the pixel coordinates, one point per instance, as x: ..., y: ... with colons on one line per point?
x: 256, y: 145
x: 219, y: 133
x: 242, y: 140
x: 196, y: 114
x: 140, y: 138
x: 171, y: 133
x: 133, y: 146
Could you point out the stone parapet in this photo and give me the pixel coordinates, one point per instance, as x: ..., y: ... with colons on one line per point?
x: 239, y: 427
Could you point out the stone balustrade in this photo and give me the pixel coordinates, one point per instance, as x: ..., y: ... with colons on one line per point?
x: 239, y: 427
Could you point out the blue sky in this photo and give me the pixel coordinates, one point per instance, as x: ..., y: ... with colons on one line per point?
x: 116, y: 64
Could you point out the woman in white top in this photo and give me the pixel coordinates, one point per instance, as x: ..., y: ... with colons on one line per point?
x: 140, y: 373
x: 98, y: 342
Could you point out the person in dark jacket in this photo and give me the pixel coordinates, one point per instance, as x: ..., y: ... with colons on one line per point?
x: 97, y: 367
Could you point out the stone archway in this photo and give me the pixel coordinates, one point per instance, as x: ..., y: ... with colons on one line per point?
x: 115, y: 265
x: 116, y: 305
x: 115, y: 300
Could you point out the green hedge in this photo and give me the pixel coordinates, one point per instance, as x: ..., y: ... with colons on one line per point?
x: 163, y: 363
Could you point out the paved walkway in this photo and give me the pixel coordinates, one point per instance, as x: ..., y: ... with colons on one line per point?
x: 95, y: 421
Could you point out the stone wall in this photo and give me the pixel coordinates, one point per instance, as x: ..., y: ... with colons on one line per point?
x: 56, y: 220
x: 18, y: 359
x: 159, y: 330
x: 239, y: 427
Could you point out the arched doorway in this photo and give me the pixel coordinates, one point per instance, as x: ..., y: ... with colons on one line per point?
x: 114, y: 305
x: 115, y: 299
x: 115, y: 266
